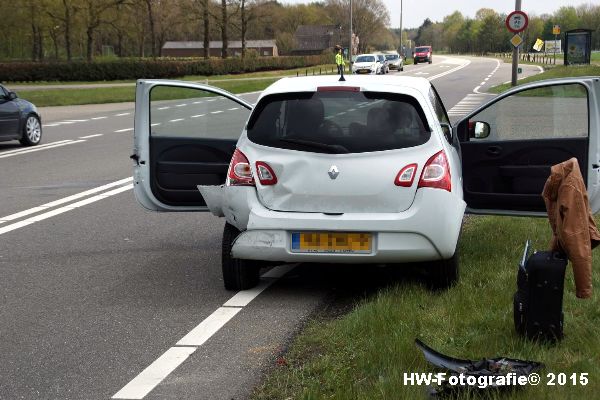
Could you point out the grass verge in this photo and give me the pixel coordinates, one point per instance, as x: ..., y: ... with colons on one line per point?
x: 67, y: 97
x: 364, y: 354
x: 555, y: 72
x: 241, y: 83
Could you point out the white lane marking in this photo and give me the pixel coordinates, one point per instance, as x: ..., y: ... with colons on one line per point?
x: 163, y: 108
x: 215, y: 321
x: 351, y: 109
x: 216, y: 112
x: 237, y: 108
x: 198, y: 116
x: 66, y: 122
x: 57, y: 211
x: 482, y: 83
x: 211, y: 100
x: 35, y: 149
x: 450, y: 71
x: 91, y: 136
x: 176, y: 120
x: 139, y: 387
x: 155, y: 124
x: 181, y: 105
x: 65, y: 200
x: 47, y: 125
x: 149, y: 378
x: 421, y: 73
x: 122, y: 114
x: 197, y: 102
x: 76, y: 120
x: 97, y: 118
x: 124, y: 130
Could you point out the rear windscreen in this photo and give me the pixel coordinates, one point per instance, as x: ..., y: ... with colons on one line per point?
x: 422, y: 49
x: 338, y: 122
x: 362, y: 59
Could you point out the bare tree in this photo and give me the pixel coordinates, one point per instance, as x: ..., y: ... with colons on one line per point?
x: 94, y: 17
x: 224, y: 28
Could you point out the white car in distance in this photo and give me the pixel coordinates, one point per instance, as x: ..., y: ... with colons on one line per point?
x: 364, y: 171
x: 367, y: 64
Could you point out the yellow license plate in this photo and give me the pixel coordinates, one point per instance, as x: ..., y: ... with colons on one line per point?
x: 331, y: 242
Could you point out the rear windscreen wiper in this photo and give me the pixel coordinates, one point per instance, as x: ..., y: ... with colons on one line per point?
x: 332, y: 148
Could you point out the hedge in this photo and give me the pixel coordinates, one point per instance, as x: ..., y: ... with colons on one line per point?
x: 135, y: 68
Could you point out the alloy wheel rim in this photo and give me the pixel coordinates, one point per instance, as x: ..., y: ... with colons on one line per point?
x: 33, y: 129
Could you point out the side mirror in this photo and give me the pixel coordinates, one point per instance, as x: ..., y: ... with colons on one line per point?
x: 12, y: 96
x: 447, y: 129
x: 479, y: 129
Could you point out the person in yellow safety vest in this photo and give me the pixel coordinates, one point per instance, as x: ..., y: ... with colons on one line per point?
x: 339, y: 61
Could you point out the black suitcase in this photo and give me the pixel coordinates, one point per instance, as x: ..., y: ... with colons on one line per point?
x: 538, y: 301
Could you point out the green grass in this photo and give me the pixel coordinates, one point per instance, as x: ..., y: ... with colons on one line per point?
x: 364, y: 354
x: 67, y: 97
x: 595, y: 56
x: 241, y: 83
x: 555, y: 72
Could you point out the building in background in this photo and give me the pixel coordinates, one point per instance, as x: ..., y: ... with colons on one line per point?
x: 265, y: 48
x: 315, y: 39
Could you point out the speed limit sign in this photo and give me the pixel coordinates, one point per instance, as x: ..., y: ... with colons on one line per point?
x: 517, y: 21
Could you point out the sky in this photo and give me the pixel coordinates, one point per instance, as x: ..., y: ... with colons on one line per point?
x: 415, y: 11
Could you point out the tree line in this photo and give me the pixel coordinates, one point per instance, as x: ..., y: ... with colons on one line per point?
x: 86, y: 29
x: 487, y: 32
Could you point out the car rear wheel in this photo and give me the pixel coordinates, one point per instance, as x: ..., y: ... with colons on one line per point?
x: 238, y: 274
x: 32, y: 131
x: 444, y: 273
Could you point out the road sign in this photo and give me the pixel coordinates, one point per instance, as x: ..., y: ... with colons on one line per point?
x: 516, y: 40
x: 556, y: 30
x: 517, y: 21
x: 539, y: 44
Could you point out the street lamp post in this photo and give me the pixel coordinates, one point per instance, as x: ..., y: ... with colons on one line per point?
x: 401, y: 47
x: 351, y: 43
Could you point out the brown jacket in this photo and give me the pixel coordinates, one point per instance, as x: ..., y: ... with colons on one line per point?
x: 573, y: 227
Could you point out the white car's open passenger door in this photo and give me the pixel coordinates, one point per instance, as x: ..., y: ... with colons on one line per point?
x: 509, y: 144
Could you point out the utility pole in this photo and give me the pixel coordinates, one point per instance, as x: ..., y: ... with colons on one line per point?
x: 515, y: 55
x: 351, y: 42
x: 401, y: 47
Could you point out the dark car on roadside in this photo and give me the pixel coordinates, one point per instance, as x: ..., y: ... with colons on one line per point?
x: 423, y: 54
x: 19, y: 119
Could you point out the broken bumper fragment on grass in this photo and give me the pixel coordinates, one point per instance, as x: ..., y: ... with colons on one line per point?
x: 487, y: 373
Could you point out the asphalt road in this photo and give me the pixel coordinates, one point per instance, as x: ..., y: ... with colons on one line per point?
x: 95, y: 289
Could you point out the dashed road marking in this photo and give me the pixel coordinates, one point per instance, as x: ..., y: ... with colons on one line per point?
x: 466, y: 105
x: 181, y: 105
x: 98, y: 118
x: 123, y: 130
x: 216, y: 112
x: 156, y: 372
x: 198, y: 116
x: 176, y: 120
x: 122, y: 114
x: 163, y: 108
x: 91, y: 136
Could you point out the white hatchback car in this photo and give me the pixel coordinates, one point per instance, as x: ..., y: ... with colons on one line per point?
x: 367, y: 64
x: 363, y: 171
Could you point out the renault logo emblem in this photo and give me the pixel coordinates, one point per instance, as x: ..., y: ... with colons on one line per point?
x: 333, y: 172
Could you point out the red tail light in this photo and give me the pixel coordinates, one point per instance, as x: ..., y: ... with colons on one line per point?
x: 239, y: 173
x: 406, y: 176
x: 266, y: 175
x: 436, y: 173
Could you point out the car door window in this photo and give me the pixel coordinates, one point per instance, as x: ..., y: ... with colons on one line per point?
x: 558, y: 111
x: 186, y: 112
x: 438, y: 106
